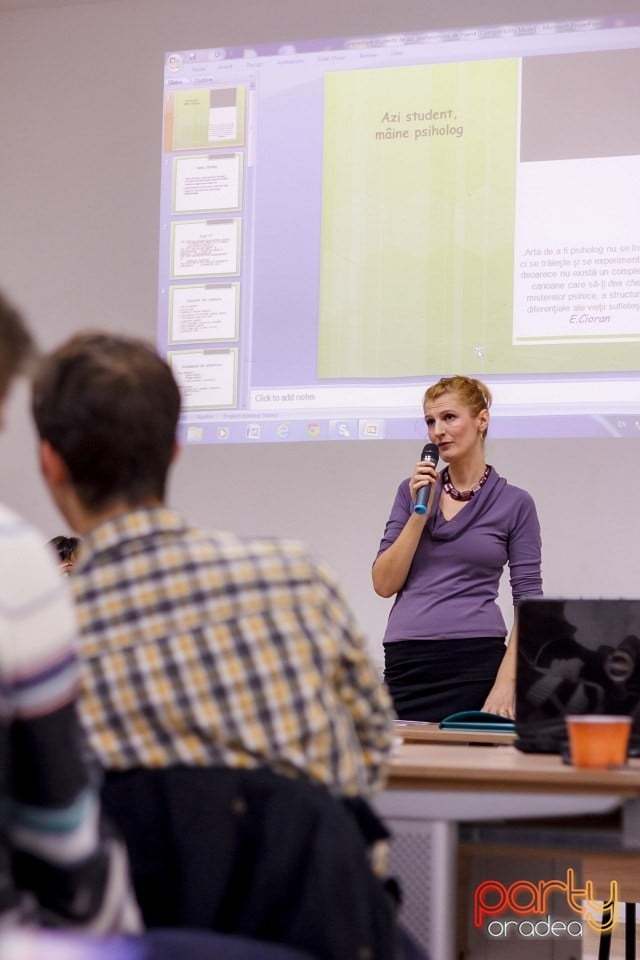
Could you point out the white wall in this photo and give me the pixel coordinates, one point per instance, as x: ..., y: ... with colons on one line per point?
x: 80, y: 115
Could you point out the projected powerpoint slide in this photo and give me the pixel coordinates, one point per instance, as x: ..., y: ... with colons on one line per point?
x: 207, y: 182
x: 204, y: 312
x: 424, y: 158
x: 465, y: 227
x: 207, y: 378
x: 205, y: 117
x: 205, y: 248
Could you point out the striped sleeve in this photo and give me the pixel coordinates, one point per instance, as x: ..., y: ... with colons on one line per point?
x: 38, y: 670
x: 51, y: 811
x: 38, y: 679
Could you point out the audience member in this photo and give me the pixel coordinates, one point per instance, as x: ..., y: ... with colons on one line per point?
x: 57, y: 865
x: 201, y: 650
x: 66, y: 549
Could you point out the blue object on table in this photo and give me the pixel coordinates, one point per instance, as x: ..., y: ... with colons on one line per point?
x: 477, y: 720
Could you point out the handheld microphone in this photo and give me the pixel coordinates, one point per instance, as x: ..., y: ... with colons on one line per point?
x: 431, y: 455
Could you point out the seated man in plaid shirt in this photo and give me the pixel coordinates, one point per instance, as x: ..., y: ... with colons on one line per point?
x: 200, y: 650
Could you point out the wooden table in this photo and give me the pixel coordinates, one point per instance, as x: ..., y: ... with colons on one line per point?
x: 437, y: 783
x: 495, y: 767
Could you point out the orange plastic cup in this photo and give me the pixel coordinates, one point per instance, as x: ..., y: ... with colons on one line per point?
x: 598, y: 742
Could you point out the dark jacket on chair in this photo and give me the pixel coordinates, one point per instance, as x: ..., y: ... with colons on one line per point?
x: 253, y: 853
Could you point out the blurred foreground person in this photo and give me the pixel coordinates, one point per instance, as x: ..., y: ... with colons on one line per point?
x: 57, y: 866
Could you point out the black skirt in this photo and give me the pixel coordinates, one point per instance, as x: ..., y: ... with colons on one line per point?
x: 429, y: 679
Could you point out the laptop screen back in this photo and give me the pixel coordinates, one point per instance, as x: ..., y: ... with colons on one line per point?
x: 575, y: 656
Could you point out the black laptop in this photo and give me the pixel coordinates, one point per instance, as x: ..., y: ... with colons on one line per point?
x: 575, y: 656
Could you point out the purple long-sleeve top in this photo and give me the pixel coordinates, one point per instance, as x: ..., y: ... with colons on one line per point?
x: 452, y: 586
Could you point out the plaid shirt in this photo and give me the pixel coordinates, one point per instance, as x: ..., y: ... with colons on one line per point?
x: 207, y: 649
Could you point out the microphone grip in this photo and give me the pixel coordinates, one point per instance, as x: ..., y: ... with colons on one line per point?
x: 422, y: 498
x: 429, y: 455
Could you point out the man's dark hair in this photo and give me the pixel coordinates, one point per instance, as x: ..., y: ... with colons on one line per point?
x: 109, y: 406
x: 16, y: 344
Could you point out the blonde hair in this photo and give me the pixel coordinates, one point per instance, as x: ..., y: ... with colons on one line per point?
x: 473, y: 393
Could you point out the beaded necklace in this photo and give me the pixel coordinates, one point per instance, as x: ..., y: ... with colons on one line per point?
x: 455, y: 494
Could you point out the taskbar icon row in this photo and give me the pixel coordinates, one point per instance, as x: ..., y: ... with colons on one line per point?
x: 248, y: 431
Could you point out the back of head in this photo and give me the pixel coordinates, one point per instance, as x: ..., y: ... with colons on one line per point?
x: 109, y: 406
x: 65, y: 548
x: 16, y: 345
